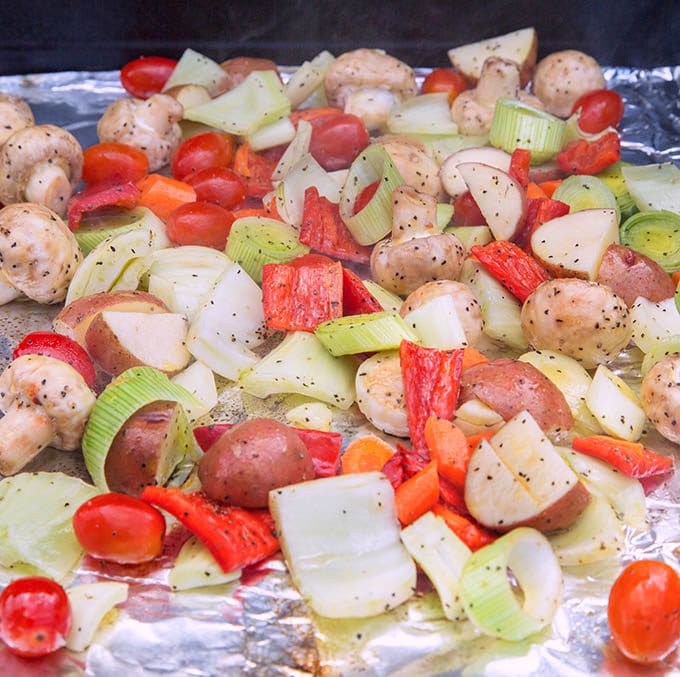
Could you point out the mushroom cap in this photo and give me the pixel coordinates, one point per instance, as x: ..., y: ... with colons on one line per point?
x: 38, y: 145
x: 15, y: 114
x: 151, y: 125
x: 660, y: 397
x: 38, y: 253
x: 56, y: 388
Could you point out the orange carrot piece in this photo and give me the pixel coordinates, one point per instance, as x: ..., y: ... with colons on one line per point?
x: 472, y: 356
x: 474, y: 440
x: 366, y: 454
x: 676, y: 277
x: 549, y: 187
x: 240, y: 161
x: 310, y: 114
x: 249, y: 211
x: 162, y: 194
x: 418, y: 494
x: 473, y: 535
x: 449, y: 448
x: 534, y: 190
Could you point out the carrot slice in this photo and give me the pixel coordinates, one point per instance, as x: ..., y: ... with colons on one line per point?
x: 534, y: 191
x: 366, y: 454
x: 448, y: 446
x: 549, y: 187
x: 473, y: 535
x: 417, y: 494
x: 472, y: 356
x: 162, y: 194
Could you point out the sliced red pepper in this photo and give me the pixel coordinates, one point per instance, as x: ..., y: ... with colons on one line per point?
x: 590, y: 157
x: 473, y: 535
x: 520, y: 161
x: 299, y: 298
x: 394, y: 469
x: 324, y: 231
x: 630, y: 458
x: 256, y: 168
x: 516, y: 270
x: 61, y: 348
x: 452, y: 497
x: 539, y: 210
x: 93, y: 197
x: 309, y: 114
x: 323, y: 446
x: 365, y: 196
x: 356, y: 299
x: 431, y: 384
x: 235, y: 536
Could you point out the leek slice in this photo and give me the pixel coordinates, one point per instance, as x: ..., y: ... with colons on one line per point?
x: 127, y: 393
x: 487, y: 592
x: 386, y: 299
x: 195, y: 567
x: 586, y: 192
x: 613, y: 177
x: 255, y: 241
x: 258, y: 100
x: 655, y: 234
x: 654, y: 187
x: 518, y: 125
x: 275, y: 133
x: 663, y: 347
x: 653, y: 322
x: 36, y: 521
x: 340, y: 539
x: 442, y: 556
x: 199, y: 380
x: 471, y: 235
x: 444, y: 214
x: 368, y: 333
x: 90, y: 605
x: 296, y: 150
x: 194, y: 68
x: 374, y: 221
x: 437, y: 324
x: 308, y: 78
x: 301, y: 364
x: 424, y: 114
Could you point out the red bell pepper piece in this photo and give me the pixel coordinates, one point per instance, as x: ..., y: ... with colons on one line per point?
x: 93, y: 197
x: 365, y: 196
x: 235, y: 536
x: 452, y: 497
x: 539, y: 210
x: 356, y: 299
x: 590, y: 157
x: 520, y: 161
x: 299, y: 298
x: 61, y: 348
x: 324, y: 231
x: 431, y: 384
x: 394, y: 469
x: 631, y: 458
x: 516, y: 270
x: 324, y: 447
x: 256, y: 168
x: 473, y: 535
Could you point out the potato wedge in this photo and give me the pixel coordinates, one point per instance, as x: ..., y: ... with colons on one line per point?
x: 451, y: 179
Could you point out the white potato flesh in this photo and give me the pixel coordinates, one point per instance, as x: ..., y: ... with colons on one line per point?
x: 451, y: 178
x: 652, y: 322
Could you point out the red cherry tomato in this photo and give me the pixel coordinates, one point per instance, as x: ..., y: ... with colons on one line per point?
x: 365, y: 196
x: 600, y: 108
x: 445, y: 80
x: 466, y: 212
x: 337, y: 140
x: 35, y: 616
x: 146, y: 76
x: 200, y: 223
x: 644, y: 611
x: 220, y: 185
x: 114, y: 162
x: 61, y: 348
x: 119, y: 528
x: 202, y: 151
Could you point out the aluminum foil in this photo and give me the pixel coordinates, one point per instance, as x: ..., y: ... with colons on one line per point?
x: 260, y: 625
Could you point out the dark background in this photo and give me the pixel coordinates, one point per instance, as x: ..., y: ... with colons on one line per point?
x: 104, y: 34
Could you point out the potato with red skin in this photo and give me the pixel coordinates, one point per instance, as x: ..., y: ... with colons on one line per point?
x: 510, y: 386
x: 631, y: 274
x: 251, y: 459
x: 240, y: 67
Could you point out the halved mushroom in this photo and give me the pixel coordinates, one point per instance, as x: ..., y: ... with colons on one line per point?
x: 41, y: 164
x: 151, y: 125
x: 38, y: 254
x: 15, y: 114
x: 45, y: 402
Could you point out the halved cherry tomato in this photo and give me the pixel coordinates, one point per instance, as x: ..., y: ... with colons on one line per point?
x: 209, y: 149
x: 200, y: 223
x: 119, y: 528
x: 644, y: 611
x: 337, y: 140
x: 35, y: 616
x: 146, y: 76
x: 114, y: 162
x: 600, y: 108
x: 466, y: 211
x: 365, y: 196
x: 61, y: 348
x: 220, y: 185
x: 446, y: 80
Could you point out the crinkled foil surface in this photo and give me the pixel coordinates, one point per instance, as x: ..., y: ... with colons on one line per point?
x: 260, y: 625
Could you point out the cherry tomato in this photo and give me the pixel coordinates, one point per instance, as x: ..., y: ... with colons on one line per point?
x: 202, y: 151
x: 466, y: 212
x: 119, y: 528
x: 200, y: 223
x: 337, y: 140
x: 644, y: 611
x: 446, y: 80
x: 146, y: 76
x: 220, y: 185
x: 365, y: 196
x: 114, y: 162
x: 600, y: 108
x: 61, y: 348
x: 35, y: 616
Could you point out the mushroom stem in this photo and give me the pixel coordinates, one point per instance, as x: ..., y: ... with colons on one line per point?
x: 25, y: 431
x: 49, y: 185
x: 8, y: 292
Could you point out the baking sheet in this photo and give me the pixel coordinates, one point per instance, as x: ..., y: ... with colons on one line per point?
x: 260, y: 626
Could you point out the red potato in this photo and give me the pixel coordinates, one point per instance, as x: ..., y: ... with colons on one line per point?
x: 251, y: 459
x: 240, y: 67
x: 509, y: 386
